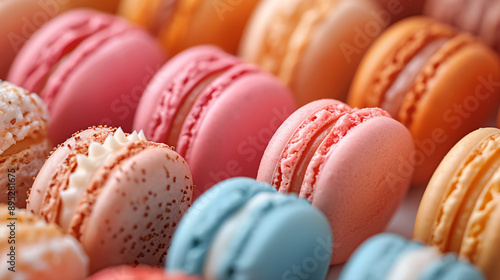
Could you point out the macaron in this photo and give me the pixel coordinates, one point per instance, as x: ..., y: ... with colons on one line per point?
x: 34, y: 250
x: 182, y: 24
x: 90, y: 68
x: 314, y: 47
x: 24, y: 145
x: 218, y: 112
x: 21, y: 18
x: 399, y: 9
x: 440, y: 83
x: 479, y: 17
x: 391, y: 257
x: 459, y: 211
x: 352, y: 164
x: 243, y: 229
x: 138, y: 273
x: 120, y: 196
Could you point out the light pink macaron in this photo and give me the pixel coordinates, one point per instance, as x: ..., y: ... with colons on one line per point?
x: 90, y: 68
x: 218, y: 112
x: 351, y: 164
x: 125, y: 272
x: 119, y: 195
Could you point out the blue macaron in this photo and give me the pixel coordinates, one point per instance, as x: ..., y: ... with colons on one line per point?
x: 243, y: 229
x: 388, y: 256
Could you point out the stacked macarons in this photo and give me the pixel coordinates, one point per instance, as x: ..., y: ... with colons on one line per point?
x: 34, y: 250
x: 120, y: 196
x: 89, y: 68
x: 217, y: 111
x: 389, y: 257
x: 460, y: 208
x: 352, y: 164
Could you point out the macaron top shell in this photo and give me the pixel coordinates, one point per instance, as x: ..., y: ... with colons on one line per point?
x: 32, y: 69
x: 259, y: 248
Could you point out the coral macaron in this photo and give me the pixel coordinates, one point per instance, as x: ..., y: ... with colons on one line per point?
x: 436, y: 81
x: 351, y: 164
x: 90, y: 69
x: 218, y: 112
x: 120, y: 196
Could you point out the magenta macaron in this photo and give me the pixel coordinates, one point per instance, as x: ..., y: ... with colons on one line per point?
x: 352, y: 164
x: 218, y: 112
x: 90, y: 68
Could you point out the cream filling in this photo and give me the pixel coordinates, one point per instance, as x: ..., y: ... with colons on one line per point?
x: 223, y: 238
x: 410, y: 265
x: 85, y: 169
x: 395, y: 95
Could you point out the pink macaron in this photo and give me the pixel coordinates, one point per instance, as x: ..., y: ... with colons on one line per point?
x: 138, y: 273
x: 351, y: 164
x: 90, y: 68
x: 218, y: 112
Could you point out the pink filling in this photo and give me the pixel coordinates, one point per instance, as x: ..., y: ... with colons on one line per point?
x: 395, y: 95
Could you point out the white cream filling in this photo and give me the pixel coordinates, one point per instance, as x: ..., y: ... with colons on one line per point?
x: 85, y: 169
x: 410, y: 265
x: 223, y: 238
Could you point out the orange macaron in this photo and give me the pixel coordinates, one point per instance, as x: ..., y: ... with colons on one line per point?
x: 440, y: 83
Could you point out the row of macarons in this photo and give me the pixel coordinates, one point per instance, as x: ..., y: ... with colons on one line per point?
x: 95, y: 69
x: 242, y: 228
x: 353, y: 165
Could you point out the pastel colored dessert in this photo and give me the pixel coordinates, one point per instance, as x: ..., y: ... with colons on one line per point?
x: 353, y: 165
x: 120, y: 196
x: 21, y: 18
x: 90, y: 68
x: 243, y: 229
x: 436, y: 81
x: 41, y: 250
x: 391, y: 257
x: 399, y: 9
x: 314, y: 47
x: 218, y: 112
x: 459, y: 211
x: 138, y: 273
x: 24, y: 145
x: 181, y: 24
x: 479, y: 17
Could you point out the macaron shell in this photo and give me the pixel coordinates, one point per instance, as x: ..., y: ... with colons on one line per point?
x: 134, y: 207
x: 47, y: 47
x: 328, y: 63
x: 358, y: 197
x: 436, y: 190
x: 121, y: 68
x: 231, y: 137
x: 449, y: 268
x: 268, y: 164
x: 295, y: 223
x: 454, y: 84
x: 44, y: 197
